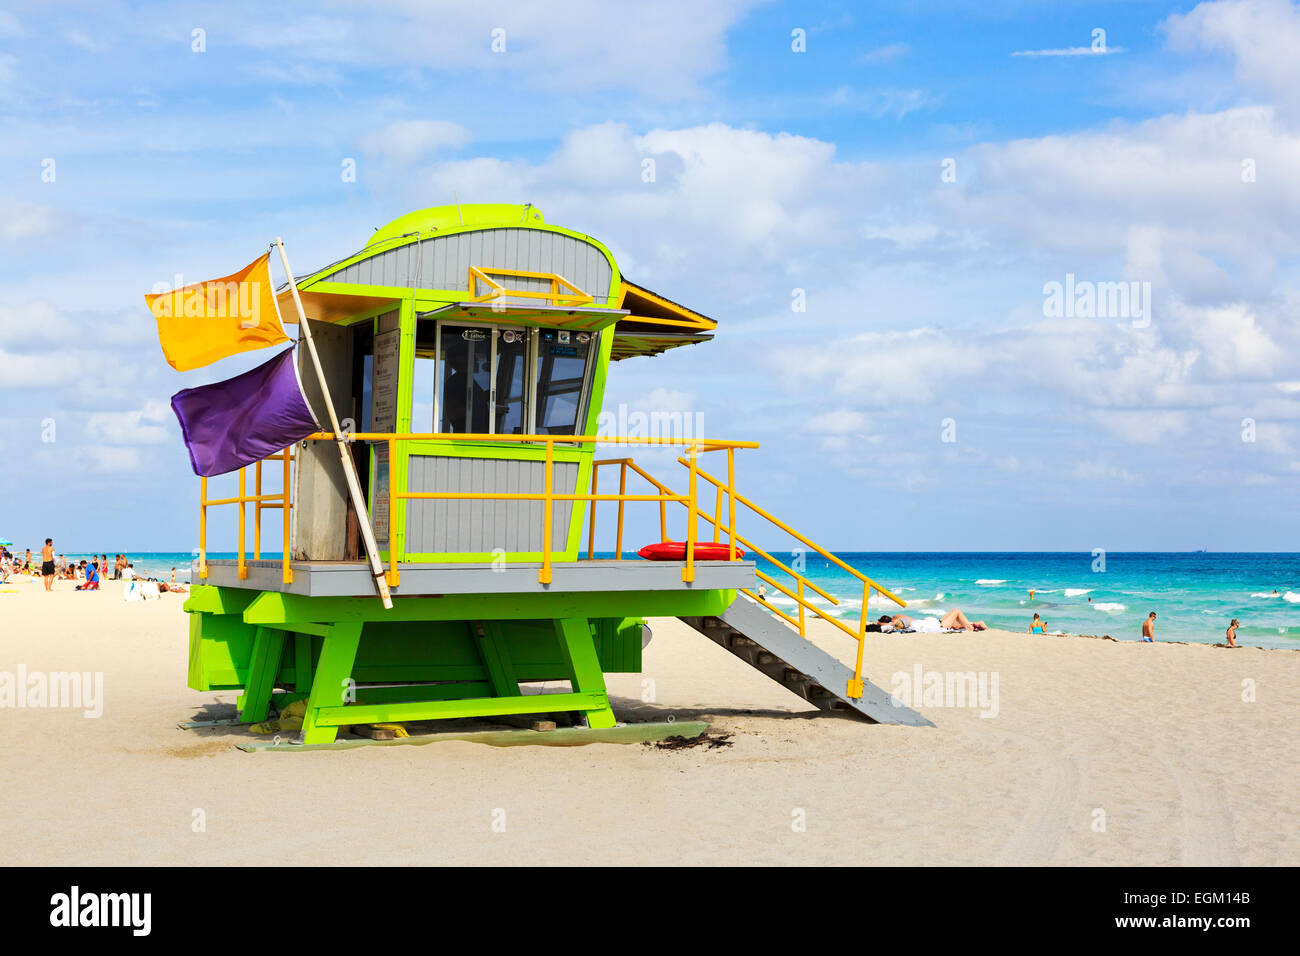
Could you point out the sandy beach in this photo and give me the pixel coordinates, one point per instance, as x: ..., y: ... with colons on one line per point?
x: 1100, y: 753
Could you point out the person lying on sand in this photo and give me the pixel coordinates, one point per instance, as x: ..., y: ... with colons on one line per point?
x: 899, y: 622
x: 955, y: 620
x: 1232, y: 633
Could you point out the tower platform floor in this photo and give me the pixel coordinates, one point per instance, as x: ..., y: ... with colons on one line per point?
x: 353, y: 579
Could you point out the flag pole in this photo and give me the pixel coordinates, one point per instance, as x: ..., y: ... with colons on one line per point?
x: 349, y: 466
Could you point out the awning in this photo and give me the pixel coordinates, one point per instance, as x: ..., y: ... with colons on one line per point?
x: 553, y: 316
x: 632, y: 344
x: 330, y: 306
x: 656, y: 324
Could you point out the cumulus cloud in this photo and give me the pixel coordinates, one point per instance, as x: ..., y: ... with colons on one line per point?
x: 143, y: 426
x: 414, y: 139
x: 1261, y: 36
x: 578, y: 45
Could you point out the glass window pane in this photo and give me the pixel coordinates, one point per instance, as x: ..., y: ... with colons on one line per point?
x: 466, y: 351
x: 422, y: 388
x: 561, y: 369
x: 511, y: 381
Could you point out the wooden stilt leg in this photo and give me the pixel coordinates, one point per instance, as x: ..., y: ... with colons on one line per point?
x: 268, y: 645
x: 337, y: 655
x: 580, y: 652
x: 491, y: 643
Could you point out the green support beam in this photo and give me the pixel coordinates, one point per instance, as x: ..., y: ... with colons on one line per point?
x: 268, y: 646
x: 276, y: 608
x: 333, y: 671
x: 580, y: 652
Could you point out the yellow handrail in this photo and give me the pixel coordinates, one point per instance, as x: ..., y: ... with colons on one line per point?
x: 260, y: 502
x: 549, y: 496
x: 812, y: 544
x: 477, y: 274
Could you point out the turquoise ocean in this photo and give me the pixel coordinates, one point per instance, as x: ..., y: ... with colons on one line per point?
x: 1194, y: 595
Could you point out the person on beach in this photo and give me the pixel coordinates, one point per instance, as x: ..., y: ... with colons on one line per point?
x: 1037, y: 625
x: 898, y: 622
x: 47, y: 563
x: 92, y: 578
x: 1232, y: 633
x: 955, y: 620
x: 1149, y: 629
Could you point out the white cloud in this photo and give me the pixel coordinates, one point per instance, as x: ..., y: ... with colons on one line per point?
x: 408, y: 141
x: 889, y: 53
x: 1073, y: 51
x: 142, y: 426
x: 20, y: 221
x: 1262, y: 36
x: 111, y: 459
x: 663, y: 50
x: 36, y: 371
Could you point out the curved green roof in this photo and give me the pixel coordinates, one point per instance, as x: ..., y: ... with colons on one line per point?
x: 439, y: 218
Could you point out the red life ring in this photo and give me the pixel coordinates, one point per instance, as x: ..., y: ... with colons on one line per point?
x: 676, y: 551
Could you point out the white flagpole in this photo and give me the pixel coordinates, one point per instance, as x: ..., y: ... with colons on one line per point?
x: 349, y: 466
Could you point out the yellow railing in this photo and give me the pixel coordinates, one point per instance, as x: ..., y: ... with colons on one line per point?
x: 574, y: 296
x: 868, y: 585
x: 728, y: 491
x: 723, y: 524
x: 262, y: 502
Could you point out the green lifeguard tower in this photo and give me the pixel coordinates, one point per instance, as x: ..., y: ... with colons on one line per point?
x: 466, y: 350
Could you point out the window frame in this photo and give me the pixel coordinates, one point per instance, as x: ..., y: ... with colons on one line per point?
x: 533, y: 333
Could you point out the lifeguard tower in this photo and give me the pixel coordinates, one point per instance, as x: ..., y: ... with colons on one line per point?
x: 466, y: 349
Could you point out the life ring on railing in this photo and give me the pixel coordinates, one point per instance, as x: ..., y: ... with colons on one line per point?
x: 676, y: 551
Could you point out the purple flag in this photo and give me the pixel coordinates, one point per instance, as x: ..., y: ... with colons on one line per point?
x: 234, y: 423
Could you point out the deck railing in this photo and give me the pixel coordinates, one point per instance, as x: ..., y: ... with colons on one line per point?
x: 262, y: 502
x: 727, y: 525
x: 723, y: 517
x: 548, y: 496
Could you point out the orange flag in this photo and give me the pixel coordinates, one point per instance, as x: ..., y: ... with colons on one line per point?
x: 199, y: 324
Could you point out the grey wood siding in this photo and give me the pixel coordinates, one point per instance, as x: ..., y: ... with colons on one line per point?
x: 444, y: 527
x: 444, y: 261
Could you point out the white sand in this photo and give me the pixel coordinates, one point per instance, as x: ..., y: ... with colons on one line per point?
x: 1157, y: 738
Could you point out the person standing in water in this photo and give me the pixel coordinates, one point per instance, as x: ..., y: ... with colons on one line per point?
x: 1149, y: 628
x: 1232, y: 633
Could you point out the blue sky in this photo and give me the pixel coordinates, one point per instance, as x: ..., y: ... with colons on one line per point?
x: 777, y: 170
